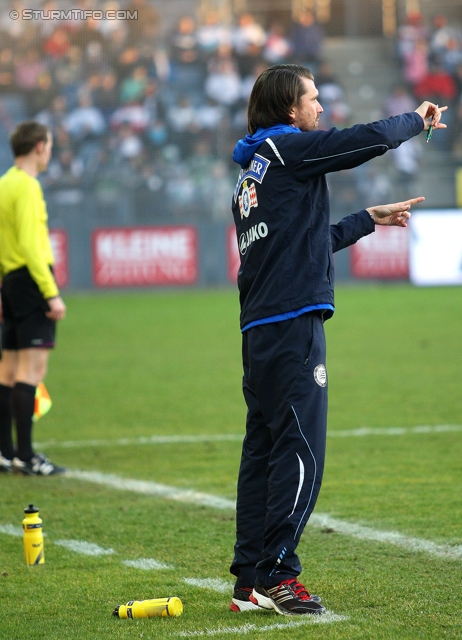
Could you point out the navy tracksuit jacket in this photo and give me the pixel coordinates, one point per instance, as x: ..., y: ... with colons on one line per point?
x: 286, y: 287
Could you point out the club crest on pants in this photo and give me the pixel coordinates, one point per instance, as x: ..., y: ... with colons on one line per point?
x: 320, y: 375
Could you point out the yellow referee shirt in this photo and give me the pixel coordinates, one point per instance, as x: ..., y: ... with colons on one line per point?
x: 24, y: 238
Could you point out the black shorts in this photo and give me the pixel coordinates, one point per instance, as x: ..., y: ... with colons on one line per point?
x: 25, y: 324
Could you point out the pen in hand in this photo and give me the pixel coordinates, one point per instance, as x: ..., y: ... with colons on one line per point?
x: 429, y: 132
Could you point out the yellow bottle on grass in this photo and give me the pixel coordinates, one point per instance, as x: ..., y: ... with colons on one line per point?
x: 163, y: 607
x: 33, y: 536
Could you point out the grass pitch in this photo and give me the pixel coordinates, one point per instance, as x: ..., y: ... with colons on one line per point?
x: 131, y: 366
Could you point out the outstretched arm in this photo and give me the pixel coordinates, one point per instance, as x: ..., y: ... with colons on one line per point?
x: 357, y: 225
x: 393, y: 215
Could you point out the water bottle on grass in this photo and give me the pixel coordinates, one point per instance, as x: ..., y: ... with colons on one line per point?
x: 163, y: 607
x: 33, y: 536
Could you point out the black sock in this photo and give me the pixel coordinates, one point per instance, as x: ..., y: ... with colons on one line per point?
x: 23, y: 412
x: 6, y: 422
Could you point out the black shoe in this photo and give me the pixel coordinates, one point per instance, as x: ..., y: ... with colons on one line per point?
x: 288, y: 598
x: 241, y: 600
x: 6, y: 465
x: 38, y: 465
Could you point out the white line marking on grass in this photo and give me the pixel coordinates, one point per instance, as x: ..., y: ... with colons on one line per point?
x: 83, y: 547
x: 214, y: 584
x: 394, y: 431
x: 124, y: 442
x: 11, y: 530
x: 153, y: 489
x: 326, y: 618
x: 148, y: 564
x: 238, y: 437
x: 317, y: 519
x: 409, y: 543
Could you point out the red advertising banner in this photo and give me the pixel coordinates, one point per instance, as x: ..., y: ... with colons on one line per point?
x: 59, y: 246
x: 234, y: 260
x: 145, y: 256
x: 383, y: 254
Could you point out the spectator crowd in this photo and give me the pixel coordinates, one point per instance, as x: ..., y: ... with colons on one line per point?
x: 150, y: 109
x: 142, y: 107
x: 431, y: 61
x: 429, y: 56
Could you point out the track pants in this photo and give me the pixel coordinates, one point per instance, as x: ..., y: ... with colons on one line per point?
x: 285, y: 388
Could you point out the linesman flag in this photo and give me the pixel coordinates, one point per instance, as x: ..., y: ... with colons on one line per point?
x: 42, y: 401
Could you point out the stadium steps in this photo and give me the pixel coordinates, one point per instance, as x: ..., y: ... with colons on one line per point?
x: 12, y: 111
x: 355, y: 63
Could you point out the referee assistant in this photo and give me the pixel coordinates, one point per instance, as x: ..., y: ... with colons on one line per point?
x: 30, y: 300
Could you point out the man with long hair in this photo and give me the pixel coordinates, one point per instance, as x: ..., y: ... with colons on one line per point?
x: 286, y: 286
